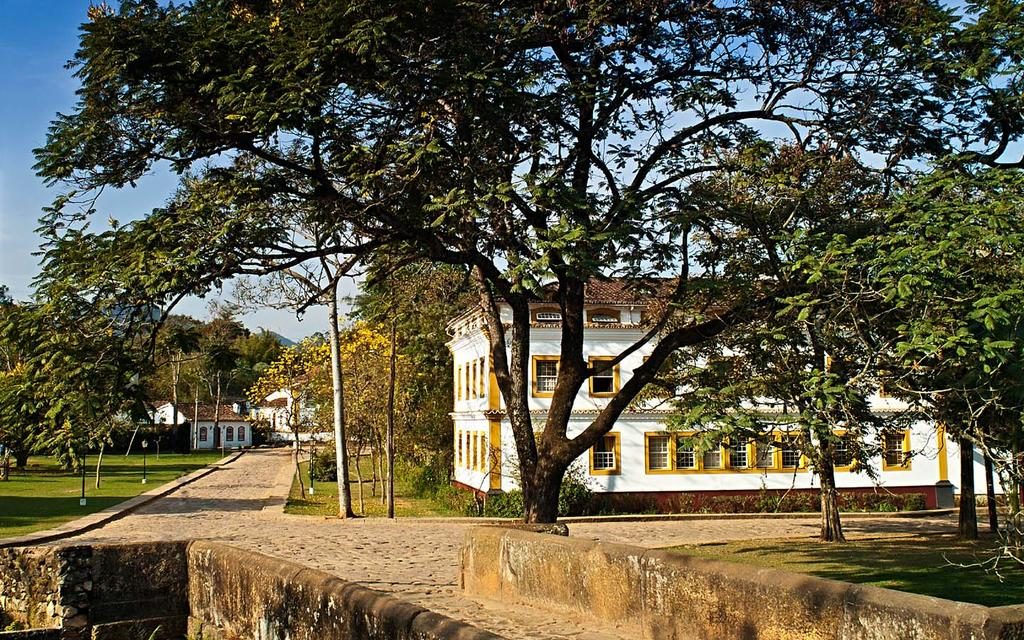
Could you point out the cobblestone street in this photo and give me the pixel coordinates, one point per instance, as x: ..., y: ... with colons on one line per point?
x: 415, y: 559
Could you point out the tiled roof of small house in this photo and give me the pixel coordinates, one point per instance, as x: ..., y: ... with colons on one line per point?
x: 206, y: 412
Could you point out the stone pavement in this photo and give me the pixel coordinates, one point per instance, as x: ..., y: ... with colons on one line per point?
x: 415, y: 559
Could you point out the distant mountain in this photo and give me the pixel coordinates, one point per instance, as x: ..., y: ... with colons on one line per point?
x: 281, y: 340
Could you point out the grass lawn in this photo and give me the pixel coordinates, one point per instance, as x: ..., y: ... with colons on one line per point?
x: 44, y: 496
x: 324, y: 501
x: 919, y: 564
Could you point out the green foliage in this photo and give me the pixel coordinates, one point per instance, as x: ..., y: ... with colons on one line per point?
x: 575, y: 495
x: 575, y: 498
x: 419, y: 299
x: 432, y: 477
x: 505, y: 505
x: 525, y: 144
x: 325, y: 463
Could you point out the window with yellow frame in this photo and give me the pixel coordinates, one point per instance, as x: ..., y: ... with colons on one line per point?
x: 606, y: 456
x: 480, y: 388
x: 896, y: 450
x: 678, y: 453
x: 545, y: 376
x: 605, y: 383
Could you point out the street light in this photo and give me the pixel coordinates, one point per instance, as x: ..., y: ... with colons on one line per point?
x: 81, y: 463
x: 145, y: 445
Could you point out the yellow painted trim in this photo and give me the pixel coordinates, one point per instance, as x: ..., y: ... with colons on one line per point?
x: 845, y: 468
x: 647, y: 452
x: 533, y: 378
x: 617, y: 448
x: 493, y: 393
x: 495, y: 453
x: 906, y: 450
x: 943, y: 453
x: 615, y: 378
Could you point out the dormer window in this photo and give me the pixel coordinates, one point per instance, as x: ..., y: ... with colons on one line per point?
x: 548, y: 315
x: 604, y: 316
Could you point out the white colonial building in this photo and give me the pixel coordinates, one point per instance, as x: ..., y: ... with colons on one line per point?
x: 640, y: 455
x: 278, y: 413
x: 209, y: 428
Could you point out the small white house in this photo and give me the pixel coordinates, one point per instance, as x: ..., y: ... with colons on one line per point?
x: 277, y: 411
x: 233, y: 430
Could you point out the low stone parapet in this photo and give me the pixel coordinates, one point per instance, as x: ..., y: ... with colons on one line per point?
x: 662, y: 595
x: 236, y: 593
x: 170, y: 590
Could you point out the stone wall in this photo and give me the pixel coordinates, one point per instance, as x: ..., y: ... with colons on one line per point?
x: 126, y: 592
x: 102, y: 592
x: 42, y: 588
x: 657, y: 594
x: 240, y: 594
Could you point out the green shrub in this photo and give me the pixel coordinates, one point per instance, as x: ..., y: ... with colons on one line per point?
x: 574, y: 496
x: 429, y: 479
x: 457, y: 501
x: 505, y: 505
x: 914, y: 502
x: 325, y: 463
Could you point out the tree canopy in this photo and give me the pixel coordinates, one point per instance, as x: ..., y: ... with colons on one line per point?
x: 529, y: 144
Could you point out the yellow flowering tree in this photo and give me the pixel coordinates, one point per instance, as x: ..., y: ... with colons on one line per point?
x: 299, y: 373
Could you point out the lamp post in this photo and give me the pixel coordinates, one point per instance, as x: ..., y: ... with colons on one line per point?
x: 145, y: 445
x: 81, y: 463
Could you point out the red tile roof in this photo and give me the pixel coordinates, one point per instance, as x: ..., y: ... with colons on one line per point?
x: 206, y: 411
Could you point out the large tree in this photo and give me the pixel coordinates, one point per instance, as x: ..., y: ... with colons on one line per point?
x: 949, y: 275
x: 802, y: 377
x: 530, y: 143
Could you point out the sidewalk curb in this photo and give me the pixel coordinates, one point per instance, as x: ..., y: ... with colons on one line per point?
x: 115, y: 512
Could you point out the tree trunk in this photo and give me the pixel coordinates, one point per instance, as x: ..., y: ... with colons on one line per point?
x: 540, y: 493
x: 968, y: 525
x: 338, y: 388
x: 359, y: 477
x: 373, y: 467
x: 831, y: 524
x: 391, y: 423
x: 298, y: 468
x: 5, y: 465
x: 1014, y: 524
x: 990, y: 496
x: 99, y: 464
x: 20, y: 459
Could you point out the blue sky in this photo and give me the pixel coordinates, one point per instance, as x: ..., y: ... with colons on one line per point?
x: 36, y: 40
